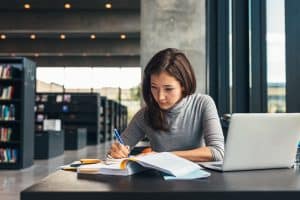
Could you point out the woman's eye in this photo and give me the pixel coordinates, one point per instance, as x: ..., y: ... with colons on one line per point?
x: 169, y: 89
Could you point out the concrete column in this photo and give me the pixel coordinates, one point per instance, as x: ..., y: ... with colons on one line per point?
x: 177, y: 24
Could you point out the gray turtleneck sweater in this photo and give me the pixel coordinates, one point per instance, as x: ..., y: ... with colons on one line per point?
x: 194, y: 122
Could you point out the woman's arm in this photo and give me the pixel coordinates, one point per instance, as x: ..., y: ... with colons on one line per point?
x: 134, y: 132
x: 200, y: 154
x: 212, y: 130
x: 131, y: 136
x: 213, y: 150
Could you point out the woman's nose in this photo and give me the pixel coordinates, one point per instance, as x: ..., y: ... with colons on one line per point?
x: 161, y: 95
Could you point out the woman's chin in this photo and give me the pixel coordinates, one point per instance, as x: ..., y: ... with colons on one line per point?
x: 164, y: 107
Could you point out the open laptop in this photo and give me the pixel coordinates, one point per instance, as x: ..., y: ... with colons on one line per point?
x: 260, y: 141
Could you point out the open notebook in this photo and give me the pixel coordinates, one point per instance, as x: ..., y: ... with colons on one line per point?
x: 165, y: 162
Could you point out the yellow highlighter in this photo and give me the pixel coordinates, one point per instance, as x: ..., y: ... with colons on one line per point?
x: 68, y: 168
x: 90, y: 161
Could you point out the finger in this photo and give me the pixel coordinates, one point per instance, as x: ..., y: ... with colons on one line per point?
x: 123, y: 151
x: 118, y: 154
x: 118, y: 151
x: 123, y: 148
x: 116, y: 147
x: 113, y: 150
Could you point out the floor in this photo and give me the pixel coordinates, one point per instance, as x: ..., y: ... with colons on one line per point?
x: 12, y: 182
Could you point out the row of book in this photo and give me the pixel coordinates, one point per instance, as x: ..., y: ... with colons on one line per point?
x: 39, y: 108
x: 6, y: 92
x: 38, y: 127
x: 41, y: 98
x: 6, y: 71
x: 59, y: 98
x: 40, y: 117
x: 7, y: 112
x: 8, y: 155
x: 5, y: 134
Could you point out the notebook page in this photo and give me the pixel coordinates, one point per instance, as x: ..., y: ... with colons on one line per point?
x: 168, y: 163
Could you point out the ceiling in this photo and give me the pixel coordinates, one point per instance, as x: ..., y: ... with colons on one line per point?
x: 54, y: 5
x: 115, y: 32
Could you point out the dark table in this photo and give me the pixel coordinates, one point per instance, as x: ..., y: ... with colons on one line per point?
x: 255, y: 185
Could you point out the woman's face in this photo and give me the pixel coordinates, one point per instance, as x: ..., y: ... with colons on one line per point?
x: 165, y: 89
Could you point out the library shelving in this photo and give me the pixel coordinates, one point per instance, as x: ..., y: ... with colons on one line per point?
x: 48, y: 144
x: 116, y: 115
x: 104, y: 120
x: 111, y: 119
x: 17, y: 91
x: 83, y: 112
x: 123, y: 118
x: 116, y: 118
x: 79, y: 113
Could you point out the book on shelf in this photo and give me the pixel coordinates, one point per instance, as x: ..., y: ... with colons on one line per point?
x: 44, y: 98
x: 7, y: 112
x: 6, y: 92
x: 8, y: 155
x: 67, y: 98
x: 40, y: 108
x: 169, y: 164
x: 40, y: 117
x: 5, y: 134
x: 5, y: 71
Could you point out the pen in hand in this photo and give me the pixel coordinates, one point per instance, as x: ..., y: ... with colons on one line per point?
x: 117, y: 149
x: 118, y: 136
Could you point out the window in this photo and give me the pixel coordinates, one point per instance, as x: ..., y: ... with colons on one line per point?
x: 112, y: 82
x: 276, y: 56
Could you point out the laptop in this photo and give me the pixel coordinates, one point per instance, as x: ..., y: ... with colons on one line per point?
x: 260, y: 141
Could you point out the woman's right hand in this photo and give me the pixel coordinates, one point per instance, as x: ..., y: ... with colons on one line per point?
x: 118, y: 150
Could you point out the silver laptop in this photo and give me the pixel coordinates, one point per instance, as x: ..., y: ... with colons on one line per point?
x: 260, y: 141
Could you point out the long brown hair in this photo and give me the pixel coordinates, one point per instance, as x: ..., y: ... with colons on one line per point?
x: 176, y: 64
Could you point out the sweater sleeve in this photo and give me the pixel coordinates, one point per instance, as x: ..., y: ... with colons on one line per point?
x: 134, y: 132
x: 212, y: 130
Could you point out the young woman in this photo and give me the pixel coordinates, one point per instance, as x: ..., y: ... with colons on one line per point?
x: 175, y: 119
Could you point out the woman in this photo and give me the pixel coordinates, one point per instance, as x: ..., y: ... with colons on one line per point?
x: 174, y: 118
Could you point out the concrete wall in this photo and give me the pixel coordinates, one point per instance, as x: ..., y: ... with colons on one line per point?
x: 178, y: 24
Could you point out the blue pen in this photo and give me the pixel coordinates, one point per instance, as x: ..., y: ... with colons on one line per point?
x: 118, y: 136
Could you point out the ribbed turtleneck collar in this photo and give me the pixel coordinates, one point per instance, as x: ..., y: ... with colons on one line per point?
x: 178, y: 106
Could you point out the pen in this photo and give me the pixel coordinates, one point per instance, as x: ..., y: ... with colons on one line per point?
x: 118, y: 136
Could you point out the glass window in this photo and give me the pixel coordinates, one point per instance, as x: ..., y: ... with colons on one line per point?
x: 276, y: 56
x: 50, y: 79
x: 230, y: 57
x: 78, y: 77
x: 112, y: 82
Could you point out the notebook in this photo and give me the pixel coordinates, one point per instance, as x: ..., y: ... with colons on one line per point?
x: 165, y: 162
x: 260, y: 141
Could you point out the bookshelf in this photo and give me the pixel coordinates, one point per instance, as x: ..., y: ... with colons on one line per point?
x: 124, y: 117
x: 116, y: 118
x: 104, y: 120
x: 117, y: 115
x: 84, y: 112
x: 111, y: 119
x: 48, y: 144
x: 77, y: 111
x: 17, y: 91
